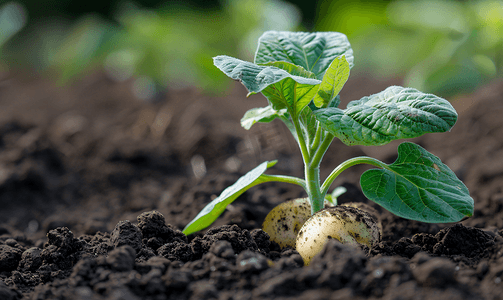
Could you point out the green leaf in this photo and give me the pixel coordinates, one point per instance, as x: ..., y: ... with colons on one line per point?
x: 395, y: 113
x: 336, y: 193
x: 312, y: 51
x: 216, y: 207
x: 290, y: 95
x: 333, y: 81
x: 290, y: 68
x: 260, y: 114
x: 281, y: 83
x: 335, y: 101
x: 254, y: 77
x: 418, y: 186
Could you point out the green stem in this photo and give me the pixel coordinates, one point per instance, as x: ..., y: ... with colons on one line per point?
x: 320, y: 152
x: 316, y: 194
x: 317, y: 138
x: 283, y: 178
x: 313, y: 188
x: 349, y: 163
x: 311, y: 172
x: 302, y: 142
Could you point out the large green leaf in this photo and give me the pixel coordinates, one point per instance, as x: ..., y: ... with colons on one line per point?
x: 418, y: 186
x: 260, y: 114
x: 395, y: 113
x: 313, y: 51
x: 333, y: 81
x: 216, y: 207
x: 254, y: 77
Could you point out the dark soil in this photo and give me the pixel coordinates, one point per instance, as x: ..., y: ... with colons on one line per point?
x: 96, y: 185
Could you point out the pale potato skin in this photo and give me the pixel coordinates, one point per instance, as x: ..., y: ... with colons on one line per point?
x: 347, y: 224
x: 363, y: 206
x: 367, y: 208
x: 285, y: 220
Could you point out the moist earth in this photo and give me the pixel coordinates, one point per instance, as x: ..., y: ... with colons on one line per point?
x: 95, y: 186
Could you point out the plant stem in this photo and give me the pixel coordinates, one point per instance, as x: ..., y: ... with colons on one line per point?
x: 317, y: 138
x: 320, y: 152
x: 284, y: 178
x: 301, y: 141
x: 313, y: 188
x: 349, y: 163
x: 311, y: 172
x: 316, y: 195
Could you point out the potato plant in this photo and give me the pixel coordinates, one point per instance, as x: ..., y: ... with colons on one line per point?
x: 301, y: 75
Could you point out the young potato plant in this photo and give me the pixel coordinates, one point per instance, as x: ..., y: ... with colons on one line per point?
x: 301, y: 75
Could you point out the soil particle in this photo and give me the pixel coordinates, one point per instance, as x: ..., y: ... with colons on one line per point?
x: 31, y: 259
x: 383, y: 273
x: 240, y: 240
x: 461, y: 243
x: 8, y: 294
x: 98, y: 243
x: 222, y: 249
x: 154, y: 263
x: 126, y: 233
x: 62, y: 248
x: 9, y: 258
x: 339, y: 265
x: 436, y: 272
x: 122, y: 259
x: 261, y: 238
x: 156, y: 233
x: 176, y: 251
x: 251, y: 262
x: 462, y: 240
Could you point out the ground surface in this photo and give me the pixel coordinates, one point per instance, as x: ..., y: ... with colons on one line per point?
x: 95, y: 186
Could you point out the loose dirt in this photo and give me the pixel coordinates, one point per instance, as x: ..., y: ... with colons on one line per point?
x: 96, y: 185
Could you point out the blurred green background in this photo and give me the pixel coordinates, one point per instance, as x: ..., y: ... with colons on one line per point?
x: 443, y: 47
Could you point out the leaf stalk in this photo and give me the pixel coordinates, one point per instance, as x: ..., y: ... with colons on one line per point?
x: 349, y: 163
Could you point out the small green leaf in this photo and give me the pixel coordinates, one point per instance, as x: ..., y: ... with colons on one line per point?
x: 260, y: 114
x: 336, y: 193
x: 333, y: 81
x: 395, y: 113
x: 313, y: 51
x: 418, y: 186
x: 254, y: 77
x: 216, y: 207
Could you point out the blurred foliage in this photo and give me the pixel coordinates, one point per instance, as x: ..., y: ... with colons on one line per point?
x: 175, y: 45
x: 170, y: 46
x: 12, y: 20
x: 443, y: 47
